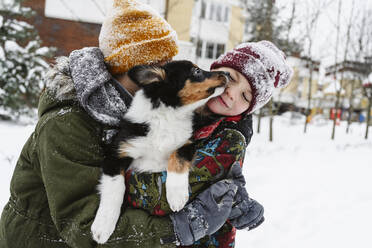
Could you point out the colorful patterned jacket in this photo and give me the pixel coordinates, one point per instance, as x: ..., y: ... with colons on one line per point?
x: 219, y: 145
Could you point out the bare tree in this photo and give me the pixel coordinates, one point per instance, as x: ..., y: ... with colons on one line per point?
x: 310, y: 28
x: 166, y: 10
x: 351, y: 107
x: 335, y: 72
x: 368, y: 93
x: 361, y: 39
x: 349, y: 25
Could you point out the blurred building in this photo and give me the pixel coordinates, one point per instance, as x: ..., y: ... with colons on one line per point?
x: 205, y: 28
x: 215, y: 26
x: 295, y: 95
x: 348, y: 75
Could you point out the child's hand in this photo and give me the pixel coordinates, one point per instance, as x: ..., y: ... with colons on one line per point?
x: 246, y: 212
x: 205, y: 214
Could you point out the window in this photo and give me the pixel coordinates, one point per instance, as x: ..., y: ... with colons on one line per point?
x: 210, y: 50
x: 214, y: 12
x: 203, y: 9
x: 211, y: 12
x: 219, y: 13
x: 199, y: 48
x: 227, y: 10
x: 220, y: 49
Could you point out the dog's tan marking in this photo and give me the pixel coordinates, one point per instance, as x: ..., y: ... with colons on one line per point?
x: 160, y: 72
x: 156, y: 74
x: 193, y: 92
x: 123, y: 147
x: 177, y: 164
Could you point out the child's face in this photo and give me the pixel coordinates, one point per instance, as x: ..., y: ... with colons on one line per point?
x: 235, y: 99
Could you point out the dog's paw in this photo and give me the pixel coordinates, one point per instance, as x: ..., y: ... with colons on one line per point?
x: 177, y: 198
x: 102, y: 228
x: 177, y: 189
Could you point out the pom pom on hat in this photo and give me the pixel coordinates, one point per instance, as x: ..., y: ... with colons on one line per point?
x: 262, y: 64
x: 133, y: 34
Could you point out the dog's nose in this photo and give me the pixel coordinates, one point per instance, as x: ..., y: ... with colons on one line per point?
x: 226, y: 75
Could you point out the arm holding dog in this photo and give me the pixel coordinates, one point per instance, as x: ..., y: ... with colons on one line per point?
x: 69, y: 163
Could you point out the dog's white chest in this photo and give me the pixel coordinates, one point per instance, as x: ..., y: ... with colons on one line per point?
x: 169, y: 129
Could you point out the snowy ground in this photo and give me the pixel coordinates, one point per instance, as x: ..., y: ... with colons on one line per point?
x: 316, y: 192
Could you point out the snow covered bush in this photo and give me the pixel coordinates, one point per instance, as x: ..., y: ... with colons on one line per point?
x: 22, y: 64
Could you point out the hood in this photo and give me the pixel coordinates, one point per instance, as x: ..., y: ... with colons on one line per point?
x: 83, y: 78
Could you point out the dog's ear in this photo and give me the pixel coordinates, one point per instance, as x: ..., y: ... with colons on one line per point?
x: 146, y: 74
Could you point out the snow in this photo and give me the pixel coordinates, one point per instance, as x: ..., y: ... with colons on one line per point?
x: 13, y: 136
x: 316, y: 192
x: 12, y: 46
x: 2, y: 55
x: 42, y: 51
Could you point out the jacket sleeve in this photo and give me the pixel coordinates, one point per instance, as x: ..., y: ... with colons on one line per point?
x: 70, y: 154
x: 215, y: 156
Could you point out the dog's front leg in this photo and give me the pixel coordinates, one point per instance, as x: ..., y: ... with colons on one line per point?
x: 111, y: 190
x: 177, y: 184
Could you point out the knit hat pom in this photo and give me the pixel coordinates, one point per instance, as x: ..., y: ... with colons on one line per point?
x: 263, y: 65
x: 132, y: 34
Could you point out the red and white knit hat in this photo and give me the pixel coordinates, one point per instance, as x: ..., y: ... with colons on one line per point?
x: 262, y: 64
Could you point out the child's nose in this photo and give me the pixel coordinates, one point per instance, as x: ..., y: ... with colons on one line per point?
x: 229, y: 92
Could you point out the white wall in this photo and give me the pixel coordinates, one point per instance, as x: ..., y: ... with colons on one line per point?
x: 186, y: 51
x: 92, y: 11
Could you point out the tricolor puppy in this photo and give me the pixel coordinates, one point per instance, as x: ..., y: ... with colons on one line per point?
x: 155, y: 135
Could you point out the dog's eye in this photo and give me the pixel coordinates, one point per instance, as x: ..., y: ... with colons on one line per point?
x: 196, y: 71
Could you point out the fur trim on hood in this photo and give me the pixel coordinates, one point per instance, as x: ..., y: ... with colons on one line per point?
x: 84, y: 77
x: 59, y: 83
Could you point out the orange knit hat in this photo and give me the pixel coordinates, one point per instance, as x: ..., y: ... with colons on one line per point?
x: 134, y: 34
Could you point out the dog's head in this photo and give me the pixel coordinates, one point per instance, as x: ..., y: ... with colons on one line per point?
x: 178, y: 83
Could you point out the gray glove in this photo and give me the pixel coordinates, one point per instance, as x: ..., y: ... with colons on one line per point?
x: 205, y: 214
x: 246, y: 213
